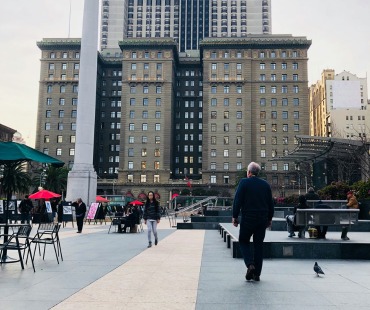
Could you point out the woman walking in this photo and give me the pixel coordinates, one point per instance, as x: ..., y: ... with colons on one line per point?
x: 152, y: 216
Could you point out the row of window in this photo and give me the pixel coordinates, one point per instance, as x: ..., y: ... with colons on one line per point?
x: 189, y: 115
x: 284, y: 102
x: 226, y: 89
x: 226, y: 139
x: 274, y: 127
x: 72, y: 139
x: 64, y: 55
x: 60, y: 126
x: 284, y: 66
x: 282, y: 54
x: 62, y: 89
x: 284, y: 89
x: 144, y: 152
x: 144, y: 114
x: 226, y: 166
x: 112, y: 114
x: 226, y: 114
x: 146, y: 66
x: 274, y: 114
x: 158, y: 89
x: 144, y: 127
x: 143, y: 165
x: 113, y: 103
x: 62, y: 101
x: 359, y: 117
x: 189, y: 148
x: 146, y: 55
x: 274, y: 140
x: 284, y: 77
x: 188, y: 126
x: 61, y: 113
x: 64, y: 66
x: 58, y: 151
x: 177, y: 160
x: 114, y: 83
x: 144, y: 139
x: 143, y: 178
x: 63, y: 77
x: 145, y: 101
x: 189, y: 137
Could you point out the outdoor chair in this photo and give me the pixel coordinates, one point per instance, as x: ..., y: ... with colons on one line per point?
x: 18, y: 241
x: 48, y: 233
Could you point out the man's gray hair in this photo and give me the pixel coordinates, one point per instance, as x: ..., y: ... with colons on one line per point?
x: 254, y: 168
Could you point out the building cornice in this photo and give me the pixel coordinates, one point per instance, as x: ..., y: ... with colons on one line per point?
x: 257, y: 41
x: 52, y: 44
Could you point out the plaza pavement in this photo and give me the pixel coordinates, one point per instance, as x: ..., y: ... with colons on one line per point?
x: 189, y: 269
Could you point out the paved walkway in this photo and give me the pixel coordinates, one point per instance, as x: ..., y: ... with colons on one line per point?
x: 189, y: 269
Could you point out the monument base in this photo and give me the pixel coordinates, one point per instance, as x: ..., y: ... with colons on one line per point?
x: 82, y: 184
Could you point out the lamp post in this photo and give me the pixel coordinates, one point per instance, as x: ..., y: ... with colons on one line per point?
x: 42, y: 174
x: 113, y: 183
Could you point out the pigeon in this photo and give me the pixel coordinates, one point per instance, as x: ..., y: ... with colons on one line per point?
x: 318, y: 269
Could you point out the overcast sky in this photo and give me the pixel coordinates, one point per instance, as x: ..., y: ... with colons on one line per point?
x: 339, y: 30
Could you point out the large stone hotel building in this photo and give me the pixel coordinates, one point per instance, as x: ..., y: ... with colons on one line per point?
x: 162, y: 116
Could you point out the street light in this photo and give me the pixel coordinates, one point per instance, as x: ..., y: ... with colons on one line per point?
x: 114, y: 182
x: 42, y: 174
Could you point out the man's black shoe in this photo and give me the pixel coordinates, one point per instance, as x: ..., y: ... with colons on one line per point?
x: 250, y: 273
x: 256, y: 278
x: 156, y: 241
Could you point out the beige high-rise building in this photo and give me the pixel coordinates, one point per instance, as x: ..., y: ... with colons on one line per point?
x: 339, y: 106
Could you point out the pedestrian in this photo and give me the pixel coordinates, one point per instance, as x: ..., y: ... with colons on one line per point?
x: 25, y: 207
x: 291, y: 219
x: 253, y: 199
x: 80, y: 209
x: 152, y: 217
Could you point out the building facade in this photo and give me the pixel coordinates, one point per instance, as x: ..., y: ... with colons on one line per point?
x: 162, y: 118
x: 339, y: 106
x: 186, y: 21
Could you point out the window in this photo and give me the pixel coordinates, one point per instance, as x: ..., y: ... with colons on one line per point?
x: 213, y: 179
x: 213, y: 166
x: 51, y: 66
x: 295, y: 66
x: 226, y: 127
x: 239, y: 114
x: 296, y: 115
x: 285, y: 127
x: 274, y: 127
x: 145, y: 89
x: 144, y: 126
x: 273, y: 89
x: 158, y: 89
x: 59, y: 139
x: 213, y: 127
x: 262, y: 66
x: 286, y: 167
x: 226, y: 153
x: 60, y: 126
x: 263, y: 127
x: 285, y: 114
x: 239, y: 101
x: 157, y: 127
x: 226, y: 89
x: 72, y: 139
x: 130, y: 165
x: 46, y: 139
x: 285, y: 140
x: 296, y: 127
x: 59, y: 152
x: 273, y: 114
x: 273, y: 66
x: 263, y: 153
x: 273, y: 140
x: 214, y: 66
x: 295, y: 77
x: 284, y: 89
x: 213, y: 153
x: 62, y: 89
x: 76, y: 66
x: 274, y: 167
x: 262, y: 140
x: 262, y: 89
x: 48, y: 114
x: 296, y: 101
x: 295, y: 89
x: 226, y: 114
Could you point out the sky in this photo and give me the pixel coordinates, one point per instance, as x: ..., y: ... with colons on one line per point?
x: 339, y: 30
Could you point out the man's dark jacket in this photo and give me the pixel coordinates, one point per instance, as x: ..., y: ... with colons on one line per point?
x: 253, y: 196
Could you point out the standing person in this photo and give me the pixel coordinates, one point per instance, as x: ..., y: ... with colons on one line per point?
x: 152, y: 217
x: 25, y: 207
x: 254, y: 199
x: 311, y: 195
x: 80, y: 214
x: 352, y: 203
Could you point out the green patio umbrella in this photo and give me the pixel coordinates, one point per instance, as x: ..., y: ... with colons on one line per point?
x: 12, y: 152
x: 15, y: 153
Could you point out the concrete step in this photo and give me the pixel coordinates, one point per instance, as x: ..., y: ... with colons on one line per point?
x: 202, y: 225
x: 208, y: 219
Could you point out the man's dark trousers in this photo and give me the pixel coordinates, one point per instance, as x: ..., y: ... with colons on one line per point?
x: 255, y: 224
x: 80, y: 222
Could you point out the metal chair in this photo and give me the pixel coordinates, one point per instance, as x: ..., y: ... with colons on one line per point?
x: 18, y: 241
x: 48, y: 233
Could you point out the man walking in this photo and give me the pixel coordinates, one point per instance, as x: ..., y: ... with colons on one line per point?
x: 25, y: 207
x: 254, y: 199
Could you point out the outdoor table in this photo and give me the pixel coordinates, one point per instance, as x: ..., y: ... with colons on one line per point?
x: 121, y: 220
x: 6, y: 230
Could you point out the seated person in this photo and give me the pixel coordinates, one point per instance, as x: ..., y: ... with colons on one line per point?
x: 328, y: 218
x: 290, y: 219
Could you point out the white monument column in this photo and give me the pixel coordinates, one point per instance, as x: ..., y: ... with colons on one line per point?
x: 82, y: 180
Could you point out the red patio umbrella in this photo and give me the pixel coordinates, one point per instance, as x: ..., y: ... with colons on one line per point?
x: 44, y: 194
x: 175, y: 195
x: 136, y: 203
x: 101, y: 199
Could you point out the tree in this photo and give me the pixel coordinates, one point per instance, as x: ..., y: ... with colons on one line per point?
x: 56, y: 179
x: 15, y: 180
